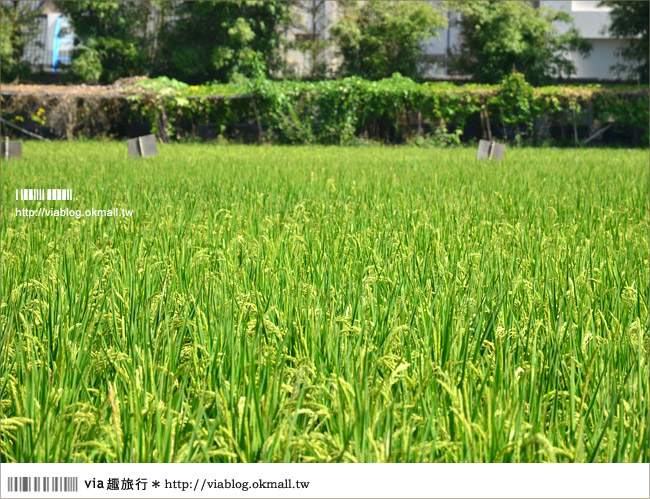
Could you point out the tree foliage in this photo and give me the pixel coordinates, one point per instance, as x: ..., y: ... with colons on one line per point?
x: 497, y: 37
x: 17, y: 28
x: 629, y: 20
x: 114, y: 39
x: 379, y: 38
x: 344, y: 110
x: 223, y: 40
x: 192, y: 41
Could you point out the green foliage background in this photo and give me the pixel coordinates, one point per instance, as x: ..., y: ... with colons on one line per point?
x: 206, y: 40
x: 347, y: 110
x: 377, y: 39
x: 17, y: 27
x: 499, y: 37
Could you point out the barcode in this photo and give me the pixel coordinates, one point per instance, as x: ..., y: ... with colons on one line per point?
x: 44, y: 194
x: 42, y: 484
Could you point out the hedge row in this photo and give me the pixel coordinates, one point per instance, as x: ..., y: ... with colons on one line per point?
x: 346, y: 111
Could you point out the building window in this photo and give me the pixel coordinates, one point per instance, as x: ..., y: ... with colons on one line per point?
x: 588, y: 6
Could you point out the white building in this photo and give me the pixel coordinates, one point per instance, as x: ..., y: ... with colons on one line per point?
x: 311, y: 18
x: 592, y: 21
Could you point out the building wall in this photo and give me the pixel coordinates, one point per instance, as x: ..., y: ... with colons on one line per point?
x: 299, y: 63
x: 592, y: 21
x: 598, y: 65
x: 435, y: 50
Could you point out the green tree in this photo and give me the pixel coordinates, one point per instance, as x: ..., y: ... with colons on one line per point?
x: 17, y: 27
x: 499, y: 37
x: 223, y: 40
x: 629, y: 21
x: 379, y: 38
x: 115, y: 39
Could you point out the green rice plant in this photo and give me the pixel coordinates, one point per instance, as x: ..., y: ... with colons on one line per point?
x: 323, y: 304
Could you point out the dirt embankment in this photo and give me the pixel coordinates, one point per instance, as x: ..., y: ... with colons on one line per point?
x: 121, y: 88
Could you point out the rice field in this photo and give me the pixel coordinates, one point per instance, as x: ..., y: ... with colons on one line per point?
x: 315, y: 304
